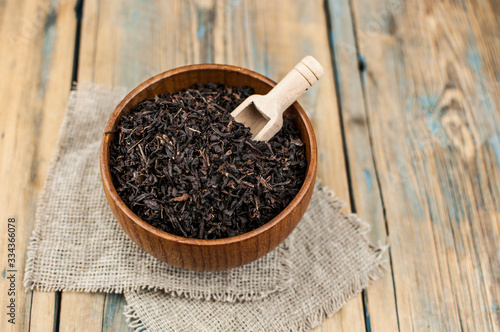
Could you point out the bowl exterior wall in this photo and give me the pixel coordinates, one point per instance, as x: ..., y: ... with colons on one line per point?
x: 208, y: 254
x: 214, y: 257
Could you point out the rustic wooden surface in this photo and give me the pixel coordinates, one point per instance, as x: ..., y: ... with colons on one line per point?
x: 406, y: 117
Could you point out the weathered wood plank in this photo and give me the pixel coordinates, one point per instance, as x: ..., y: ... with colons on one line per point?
x: 380, y: 301
x: 84, y: 311
x: 44, y: 306
x: 35, y: 60
x: 432, y: 94
x: 113, y: 318
x: 81, y: 312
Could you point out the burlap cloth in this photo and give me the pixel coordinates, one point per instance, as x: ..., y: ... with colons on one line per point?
x: 77, y: 245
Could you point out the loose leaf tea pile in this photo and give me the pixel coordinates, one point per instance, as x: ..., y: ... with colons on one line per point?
x: 182, y: 164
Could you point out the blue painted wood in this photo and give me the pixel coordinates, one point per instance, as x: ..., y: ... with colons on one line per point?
x: 113, y: 317
x: 432, y: 97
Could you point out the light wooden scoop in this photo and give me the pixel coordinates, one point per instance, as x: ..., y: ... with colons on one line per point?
x: 264, y: 114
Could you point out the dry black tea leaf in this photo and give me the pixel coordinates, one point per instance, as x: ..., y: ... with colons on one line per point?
x: 182, y: 164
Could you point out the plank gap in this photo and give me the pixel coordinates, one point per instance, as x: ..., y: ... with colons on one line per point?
x: 393, y: 283
x: 366, y: 314
x: 76, y: 53
x: 57, y: 311
x: 29, y: 311
x: 104, y: 312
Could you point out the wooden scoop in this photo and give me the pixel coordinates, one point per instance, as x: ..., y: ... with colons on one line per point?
x: 264, y: 114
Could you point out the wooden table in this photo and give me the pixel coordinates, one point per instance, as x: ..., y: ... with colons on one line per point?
x: 406, y: 118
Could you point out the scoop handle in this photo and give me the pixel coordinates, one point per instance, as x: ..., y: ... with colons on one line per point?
x: 304, y: 75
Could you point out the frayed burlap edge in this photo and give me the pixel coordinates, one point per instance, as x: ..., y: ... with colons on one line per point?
x: 282, y: 283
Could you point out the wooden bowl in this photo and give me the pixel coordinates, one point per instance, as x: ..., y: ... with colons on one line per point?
x: 199, y: 254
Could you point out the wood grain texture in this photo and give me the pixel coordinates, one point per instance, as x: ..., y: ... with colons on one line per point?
x: 35, y: 60
x: 81, y: 312
x: 432, y: 98
x: 44, y: 309
x: 113, y: 314
x: 380, y: 303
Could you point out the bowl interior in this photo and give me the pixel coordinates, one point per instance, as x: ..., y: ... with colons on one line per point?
x: 183, y: 78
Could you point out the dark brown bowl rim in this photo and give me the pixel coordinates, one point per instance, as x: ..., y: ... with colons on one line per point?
x: 108, y: 183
